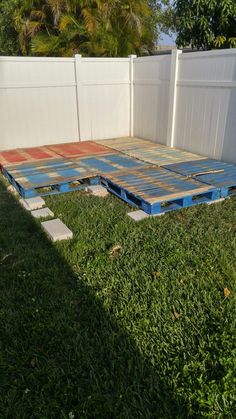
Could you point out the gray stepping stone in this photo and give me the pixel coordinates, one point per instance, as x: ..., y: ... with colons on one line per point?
x: 138, y: 215
x: 216, y: 201
x: 97, y: 190
x: 141, y: 215
x: 31, y: 204
x: 56, y: 230
x: 42, y: 213
x: 12, y: 190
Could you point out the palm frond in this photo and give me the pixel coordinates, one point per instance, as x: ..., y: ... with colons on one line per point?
x: 91, y: 20
x: 43, y: 44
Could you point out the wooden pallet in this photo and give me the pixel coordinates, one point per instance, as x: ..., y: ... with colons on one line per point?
x: 126, y: 143
x: 60, y: 175
x: 156, y: 190
x: 20, y: 156
x: 49, y: 177
x: 84, y: 148
x: 150, y: 152
x: 212, y: 172
x: 110, y: 163
x: 34, y: 154
x: 162, y: 156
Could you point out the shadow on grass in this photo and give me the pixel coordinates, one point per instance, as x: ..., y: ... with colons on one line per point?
x: 62, y: 355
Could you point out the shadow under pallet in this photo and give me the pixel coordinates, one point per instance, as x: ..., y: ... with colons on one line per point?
x: 156, y: 190
x: 216, y: 173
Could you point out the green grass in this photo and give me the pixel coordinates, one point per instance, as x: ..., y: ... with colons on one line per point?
x: 145, y: 332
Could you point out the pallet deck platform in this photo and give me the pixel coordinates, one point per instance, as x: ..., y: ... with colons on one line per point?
x: 150, y: 176
x: 211, y: 172
x: 156, y: 190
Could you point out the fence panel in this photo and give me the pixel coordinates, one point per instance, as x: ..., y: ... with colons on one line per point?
x: 206, y: 104
x: 37, y: 101
x: 56, y: 100
x: 104, y: 97
x: 151, y: 97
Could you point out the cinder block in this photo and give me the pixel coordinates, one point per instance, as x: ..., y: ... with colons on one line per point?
x: 216, y: 201
x: 159, y: 215
x: 97, y: 190
x: 42, y: 213
x: 138, y: 215
x: 56, y: 230
x: 31, y: 204
x: 141, y: 215
x: 12, y: 190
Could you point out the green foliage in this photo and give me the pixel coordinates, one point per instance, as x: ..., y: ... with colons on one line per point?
x: 8, y: 33
x: 206, y: 24
x: 147, y: 332
x: 91, y: 27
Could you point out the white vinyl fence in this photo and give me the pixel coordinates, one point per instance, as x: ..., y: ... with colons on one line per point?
x: 188, y: 101
x: 37, y: 101
x: 56, y: 100
x: 151, y: 97
x: 206, y: 104
x: 185, y: 100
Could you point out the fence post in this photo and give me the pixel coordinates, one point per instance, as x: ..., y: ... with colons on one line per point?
x: 78, y: 61
x: 131, y: 78
x: 172, y: 97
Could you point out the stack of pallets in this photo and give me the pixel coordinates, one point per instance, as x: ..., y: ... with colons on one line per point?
x: 150, y: 176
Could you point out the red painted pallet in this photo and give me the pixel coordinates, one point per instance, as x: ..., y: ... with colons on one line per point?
x: 25, y: 155
x: 77, y: 149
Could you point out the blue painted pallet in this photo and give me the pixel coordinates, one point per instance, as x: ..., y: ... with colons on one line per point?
x: 156, y: 190
x: 110, y: 163
x: 59, y: 175
x: 211, y: 172
x: 49, y: 178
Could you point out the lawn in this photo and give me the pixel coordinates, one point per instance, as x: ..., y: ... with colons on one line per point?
x: 127, y: 320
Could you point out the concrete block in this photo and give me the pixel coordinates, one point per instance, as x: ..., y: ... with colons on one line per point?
x: 138, y: 215
x: 31, y: 204
x: 216, y: 201
x: 159, y: 215
x: 56, y: 230
x: 12, y: 190
x: 42, y: 213
x: 141, y: 215
x: 97, y: 190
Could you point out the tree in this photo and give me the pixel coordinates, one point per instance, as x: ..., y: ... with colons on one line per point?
x: 89, y: 27
x: 8, y: 33
x: 206, y: 24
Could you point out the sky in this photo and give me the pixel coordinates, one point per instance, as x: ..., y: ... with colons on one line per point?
x: 167, y: 40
